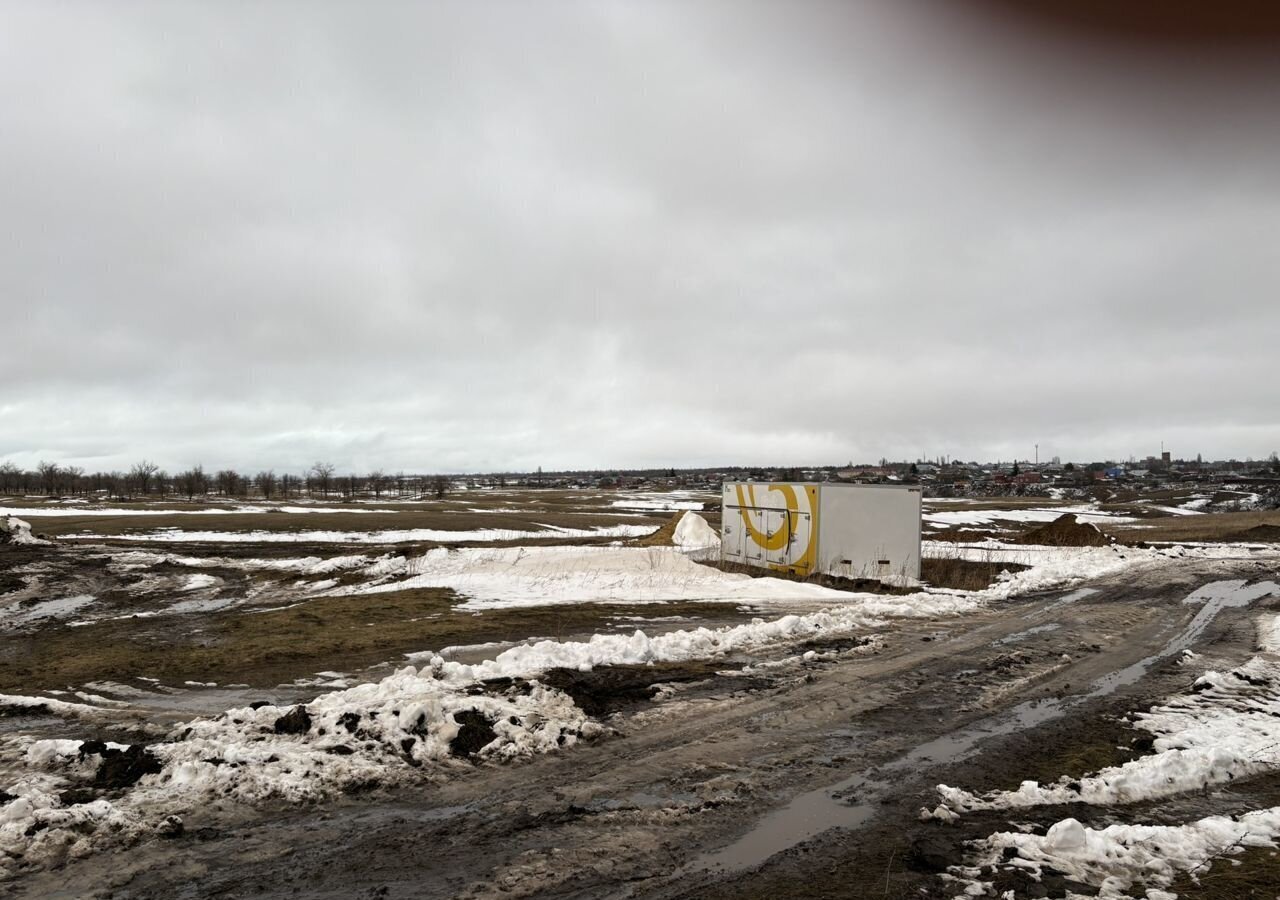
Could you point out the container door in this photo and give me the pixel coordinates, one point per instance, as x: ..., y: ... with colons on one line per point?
x: 753, y: 552
x: 733, y: 535
x: 790, y: 550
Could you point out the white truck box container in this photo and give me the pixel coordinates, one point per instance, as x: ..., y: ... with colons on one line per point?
x: 854, y: 530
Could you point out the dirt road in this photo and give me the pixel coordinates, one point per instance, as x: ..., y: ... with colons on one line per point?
x: 800, y: 776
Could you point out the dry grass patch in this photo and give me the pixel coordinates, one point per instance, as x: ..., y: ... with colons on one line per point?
x: 954, y: 572
x: 269, y: 648
x: 1209, y: 527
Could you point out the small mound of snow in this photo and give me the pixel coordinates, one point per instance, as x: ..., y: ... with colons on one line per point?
x: 693, y: 533
x: 17, y: 531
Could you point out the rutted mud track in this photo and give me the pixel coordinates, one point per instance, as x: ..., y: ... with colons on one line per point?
x: 639, y: 813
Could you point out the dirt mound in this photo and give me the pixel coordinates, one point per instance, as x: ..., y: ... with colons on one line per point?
x: 663, y: 537
x: 1065, y: 531
x: 1264, y: 533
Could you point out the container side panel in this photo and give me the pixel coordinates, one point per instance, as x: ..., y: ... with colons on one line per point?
x: 870, y: 531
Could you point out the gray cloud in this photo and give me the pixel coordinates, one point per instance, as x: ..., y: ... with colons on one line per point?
x: 502, y: 235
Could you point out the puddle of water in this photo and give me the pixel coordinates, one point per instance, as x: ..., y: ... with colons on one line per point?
x: 851, y: 803
x: 1064, y: 600
x: 1038, y: 629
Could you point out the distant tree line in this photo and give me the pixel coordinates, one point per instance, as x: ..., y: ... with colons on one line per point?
x: 147, y: 480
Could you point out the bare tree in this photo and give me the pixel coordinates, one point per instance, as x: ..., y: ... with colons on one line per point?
x: 140, y: 477
x: 192, y: 482
x: 322, y: 475
x: 377, y: 482
x: 266, y: 482
x: 10, y: 478
x: 228, y: 482
x: 440, y: 486
x: 48, y: 472
x: 288, y: 484
x: 347, y: 486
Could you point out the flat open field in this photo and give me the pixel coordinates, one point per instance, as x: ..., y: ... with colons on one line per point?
x: 560, y: 694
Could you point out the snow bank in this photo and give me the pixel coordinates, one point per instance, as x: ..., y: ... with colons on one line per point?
x: 395, y: 536
x: 1123, y: 858
x: 541, y: 576
x: 407, y: 725
x: 862, y: 611
x: 693, y: 533
x: 17, y: 531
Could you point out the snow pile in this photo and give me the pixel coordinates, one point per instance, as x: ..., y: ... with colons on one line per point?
x: 538, y: 576
x: 17, y: 531
x: 1120, y: 858
x: 393, y: 536
x: 693, y: 533
x: 405, y: 724
x: 867, y: 610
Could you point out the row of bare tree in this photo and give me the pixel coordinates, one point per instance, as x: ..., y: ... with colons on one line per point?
x: 146, y: 479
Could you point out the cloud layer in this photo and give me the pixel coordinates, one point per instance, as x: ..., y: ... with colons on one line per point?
x: 502, y: 235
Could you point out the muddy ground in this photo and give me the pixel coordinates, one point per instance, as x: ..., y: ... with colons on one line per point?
x: 721, y: 783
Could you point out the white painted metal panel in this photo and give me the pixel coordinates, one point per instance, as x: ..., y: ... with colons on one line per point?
x: 869, y: 530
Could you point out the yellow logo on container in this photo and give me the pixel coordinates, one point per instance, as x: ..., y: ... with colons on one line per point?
x: 793, y: 546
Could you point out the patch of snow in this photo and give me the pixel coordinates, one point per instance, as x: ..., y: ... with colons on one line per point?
x: 18, y: 614
x: 47, y: 512
x: 1123, y: 858
x: 172, y: 535
x: 540, y: 576
x: 661, y: 505
x: 200, y: 580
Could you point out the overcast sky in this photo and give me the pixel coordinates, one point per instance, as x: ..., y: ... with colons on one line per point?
x: 483, y: 235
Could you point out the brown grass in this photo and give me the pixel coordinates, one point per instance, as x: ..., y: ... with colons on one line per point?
x: 956, y: 573
x: 1209, y: 527
x: 269, y: 648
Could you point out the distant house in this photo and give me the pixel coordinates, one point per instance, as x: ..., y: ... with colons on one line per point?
x: 1028, y: 478
x: 1115, y: 472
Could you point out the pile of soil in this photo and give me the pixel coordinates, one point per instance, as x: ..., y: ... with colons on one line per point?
x: 1065, y: 531
x: 607, y: 689
x: 663, y: 537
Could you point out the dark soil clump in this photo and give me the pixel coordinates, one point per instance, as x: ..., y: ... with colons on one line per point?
x: 474, y: 734
x: 295, y: 721
x: 608, y: 689
x: 120, y: 768
x: 1065, y: 531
